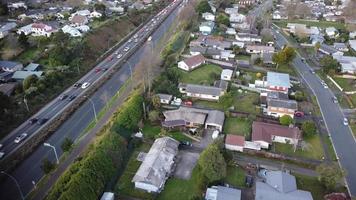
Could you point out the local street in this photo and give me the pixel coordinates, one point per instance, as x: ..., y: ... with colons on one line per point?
x: 29, y: 170
x: 341, y: 135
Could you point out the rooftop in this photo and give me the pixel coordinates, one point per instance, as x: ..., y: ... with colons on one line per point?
x: 264, y: 131
x: 278, y: 79
x: 201, y: 89
x: 237, y: 140
x: 222, y: 193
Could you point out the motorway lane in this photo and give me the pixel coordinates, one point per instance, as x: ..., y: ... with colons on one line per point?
x: 29, y: 169
x: 341, y: 135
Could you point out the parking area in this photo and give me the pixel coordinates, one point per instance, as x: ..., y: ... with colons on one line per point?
x: 186, y: 162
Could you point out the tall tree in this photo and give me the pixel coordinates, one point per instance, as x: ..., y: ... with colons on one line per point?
x: 212, y: 163
x: 329, y: 175
x: 203, y: 7
x: 308, y: 128
x: 286, y: 120
x: 328, y: 63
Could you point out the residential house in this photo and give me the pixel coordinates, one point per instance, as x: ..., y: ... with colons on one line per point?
x: 278, y: 82
x: 206, y: 27
x: 79, y: 20
x: 341, y: 47
x: 265, y: 133
x: 247, y: 2
x: 231, y: 11
x: 215, y: 42
x: 316, y: 39
x: 108, y: 196
x: 81, y: 13
x: 193, y: 118
x: 222, y: 193
x: 331, y: 32
x: 279, y: 15
x: 352, y: 44
x: 329, y: 50
x: 22, y: 75
x: 281, y: 107
x: 165, y: 98
x: 32, y: 67
x: 348, y: 63
x: 226, y: 55
x: 10, y: 66
x: 230, y: 31
x: 237, y: 18
x: 248, y: 37
x: 83, y: 28
x: 157, y: 165
x: 279, y: 185
x: 226, y: 74
x: 191, y: 63
x: 352, y: 35
x: 271, y: 95
x: 212, y: 6
x: 27, y: 30
x: 73, y: 32
x: 201, y: 91
x: 137, y: 5
x: 7, y: 88
x: 17, y: 5
x: 208, y: 16
x: 257, y: 49
x: 6, y: 28
x: 41, y: 29
x: 119, y: 9
x: 95, y: 14
x: 5, y: 76
x: 234, y: 142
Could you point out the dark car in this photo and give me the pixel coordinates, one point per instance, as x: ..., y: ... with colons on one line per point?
x: 33, y: 120
x: 249, y: 181
x: 42, y: 121
x: 186, y: 143
x: 63, y: 96
x: 71, y: 97
x: 77, y: 85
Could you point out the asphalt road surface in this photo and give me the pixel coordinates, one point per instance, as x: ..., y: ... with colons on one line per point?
x: 341, y: 135
x: 29, y: 170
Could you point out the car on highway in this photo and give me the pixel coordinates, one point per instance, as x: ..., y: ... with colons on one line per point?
x: 119, y: 56
x: 42, y: 121
x: 334, y: 99
x: 19, y: 138
x: 136, y: 40
x: 85, y: 85
x: 1, y: 146
x: 97, y: 70
x: 71, y: 97
x: 345, y: 121
x: 135, y: 36
x: 116, y: 52
x: 62, y: 97
x: 127, y: 48
x: 312, y: 71
x: 77, y: 85
x: 33, y: 120
x: 2, y: 154
x: 130, y: 40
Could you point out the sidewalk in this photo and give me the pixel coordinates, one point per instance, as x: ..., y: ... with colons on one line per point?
x: 83, y: 144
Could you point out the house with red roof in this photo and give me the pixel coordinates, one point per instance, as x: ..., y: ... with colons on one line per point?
x: 234, y: 142
x: 191, y: 62
x: 265, y: 133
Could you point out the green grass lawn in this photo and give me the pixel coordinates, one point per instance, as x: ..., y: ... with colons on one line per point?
x: 150, y: 131
x: 242, y: 57
x: 320, y: 24
x: 178, y: 189
x: 330, y: 147
x: 289, y: 69
x: 124, y: 186
x: 346, y: 84
x: 238, y: 126
x: 314, y: 149
x: 235, y: 176
x: 204, y: 75
x: 28, y: 55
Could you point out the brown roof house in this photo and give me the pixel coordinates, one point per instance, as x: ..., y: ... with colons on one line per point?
x: 191, y: 62
x: 234, y: 142
x: 79, y: 20
x: 264, y: 134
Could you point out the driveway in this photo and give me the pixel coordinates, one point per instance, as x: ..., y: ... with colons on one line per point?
x: 186, y: 163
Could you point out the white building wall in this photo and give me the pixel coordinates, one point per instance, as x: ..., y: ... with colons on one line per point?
x: 284, y: 140
x: 203, y: 96
x: 147, y: 187
x: 183, y: 66
x: 234, y: 147
x: 263, y: 144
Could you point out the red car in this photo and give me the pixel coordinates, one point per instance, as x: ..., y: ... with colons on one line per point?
x: 188, y: 103
x: 97, y: 70
x: 299, y: 114
x: 109, y: 58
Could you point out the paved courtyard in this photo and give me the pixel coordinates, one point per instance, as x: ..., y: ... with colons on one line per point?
x: 186, y: 162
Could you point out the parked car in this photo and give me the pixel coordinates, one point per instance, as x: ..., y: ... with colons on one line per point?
x: 85, y: 85
x: 33, y: 120
x: 186, y: 143
x: 19, y: 138
x: 126, y: 48
x: 299, y: 114
x: 77, y: 85
x: 187, y: 103
x: 130, y: 40
x: 136, y: 40
x: 63, y: 96
x: 119, y: 56
x: 71, y: 97
x: 42, y: 121
x: 346, y: 122
x: 110, y: 58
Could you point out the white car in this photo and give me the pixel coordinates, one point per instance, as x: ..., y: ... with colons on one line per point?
x: 345, y: 122
x: 2, y: 154
x: 85, y: 85
x: 126, y: 48
x: 119, y: 56
x: 130, y: 40
x: 136, y: 40
x: 19, y: 138
x: 1, y: 146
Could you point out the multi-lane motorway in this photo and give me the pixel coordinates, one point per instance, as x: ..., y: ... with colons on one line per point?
x: 29, y: 170
x: 341, y: 135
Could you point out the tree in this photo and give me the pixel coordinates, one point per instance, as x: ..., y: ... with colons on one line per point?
x: 286, y: 120
x: 212, y: 163
x: 203, y: 7
x: 153, y: 115
x: 23, y: 40
x: 223, y: 19
x: 156, y: 102
x: 329, y: 175
x: 99, y: 7
x: 47, y: 166
x: 279, y: 58
x: 328, y: 63
x: 299, y: 96
x: 66, y: 144
x: 236, y: 49
x: 308, y: 128
x: 29, y: 81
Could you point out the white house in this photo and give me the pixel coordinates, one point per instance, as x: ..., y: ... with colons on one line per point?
x: 165, y: 98
x: 81, y: 12
x: 230, y: 31
x: 40, y: 29
x: 191, y: 62
x: 206, y: 27
x: 27, y: 30
x: 237, y: 18
x: 256, y: 49
x: 73, y: 32
x: 201, y: 91
x: 208, y: 16
x: 231, y: 11
x: 226, y: 74
x: 10, y: 66
x: 352, y: 44
x: 234, y: 142
x: 331, y: 32
x: 247, y: 37
x: 95, y: 14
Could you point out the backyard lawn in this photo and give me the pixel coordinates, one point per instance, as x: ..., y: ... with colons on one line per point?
x: 313, y: 148
x: 320, y: 24
x: 238, y: 126
x: 150, y: 131
x: 204, y: 75
x: 178, y: 189
x: 235, y: 176
x: 242, y: 57
x: 289, y: 69
x: 346, y: 84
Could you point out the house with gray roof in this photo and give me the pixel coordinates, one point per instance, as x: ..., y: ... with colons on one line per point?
x: 193, y: 118
x: 21, y: 75
x: 6, y: 28
x: 32, y: 67
x: 222, y: 193
x: 279, y: 185
x: 10, y: 66
x: 329, y: 50
x: 165, y: 98
x: 157, y: 165
x: 204, y: 92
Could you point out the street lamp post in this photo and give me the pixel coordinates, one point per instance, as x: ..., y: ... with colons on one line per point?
x: 17, y: 184
x: 92, y: 103
x: 54, y: 149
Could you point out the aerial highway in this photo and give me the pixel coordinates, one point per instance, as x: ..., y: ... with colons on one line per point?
x: 29, y: 171
x: 341, y: 135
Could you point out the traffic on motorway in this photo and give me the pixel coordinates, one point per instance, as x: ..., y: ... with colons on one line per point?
x: 42, y: 118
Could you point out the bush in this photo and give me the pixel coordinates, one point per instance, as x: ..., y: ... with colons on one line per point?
x: 286, y: 120
x: 153, y: 115
x: 47, y: 166
x: 67, y: 144
x: 308, y: 128
x: 131, y: 112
